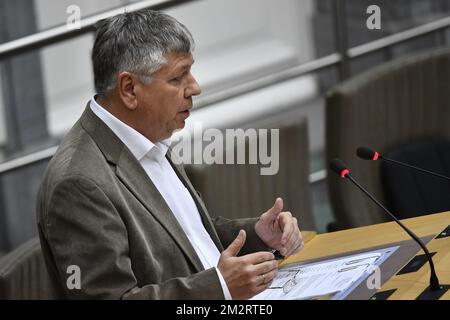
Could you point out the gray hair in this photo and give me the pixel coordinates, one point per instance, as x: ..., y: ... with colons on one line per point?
x: 136, y: 42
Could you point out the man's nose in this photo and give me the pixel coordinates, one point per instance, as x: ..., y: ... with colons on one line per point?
x: 193, y: 89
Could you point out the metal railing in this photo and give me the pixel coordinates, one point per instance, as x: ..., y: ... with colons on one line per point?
x: 397, y: 38
x: 62, y: 33
x: 266, y: 81
x: 27, y: 159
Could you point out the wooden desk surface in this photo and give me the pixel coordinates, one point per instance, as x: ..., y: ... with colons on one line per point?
x: 408, y: 286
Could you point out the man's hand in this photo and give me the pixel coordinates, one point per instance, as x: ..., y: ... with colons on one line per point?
x: 279, y: 230
x: 247, y: 275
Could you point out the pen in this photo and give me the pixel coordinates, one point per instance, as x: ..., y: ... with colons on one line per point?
x: 277, y: 254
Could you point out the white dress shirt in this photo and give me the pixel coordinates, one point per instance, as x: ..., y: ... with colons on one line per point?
x: 152, y: 157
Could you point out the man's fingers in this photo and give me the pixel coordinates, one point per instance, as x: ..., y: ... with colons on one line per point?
x: 271, y: 275
x: 266, y: 280
x: 287, y: 226
x: 297, y: 247
x: 259, y: 257
x: 264, y: 267
x: 295, y: 235
x: 290, y: 243
x: 236, y: 246
x: 277, y: 207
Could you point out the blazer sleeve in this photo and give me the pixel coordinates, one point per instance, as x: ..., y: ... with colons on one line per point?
x: 227, y: 230
x: 83, y: 228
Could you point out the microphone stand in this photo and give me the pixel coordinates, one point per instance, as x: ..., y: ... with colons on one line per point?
x: 401, y: 164
x: 435, y: 289
x: 434, y: 281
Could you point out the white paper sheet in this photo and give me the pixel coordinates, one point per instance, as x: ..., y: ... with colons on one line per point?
x: 326, y: 278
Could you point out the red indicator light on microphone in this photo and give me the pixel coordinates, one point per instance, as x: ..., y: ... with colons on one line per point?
x: 375, y: 156
x: 344, y: 172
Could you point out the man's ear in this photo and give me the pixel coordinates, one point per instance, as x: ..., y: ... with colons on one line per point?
x: 126, y: 83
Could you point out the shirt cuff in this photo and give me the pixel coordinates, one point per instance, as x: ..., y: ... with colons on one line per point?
x: 226, y: 292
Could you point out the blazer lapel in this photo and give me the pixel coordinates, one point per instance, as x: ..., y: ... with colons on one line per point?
x: 134, y: 177
x: 207, y: 223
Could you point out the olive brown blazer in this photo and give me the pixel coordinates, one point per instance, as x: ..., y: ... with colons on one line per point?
x: 98, y: 212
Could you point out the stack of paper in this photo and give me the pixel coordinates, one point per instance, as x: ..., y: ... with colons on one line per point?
x: 324, y: 278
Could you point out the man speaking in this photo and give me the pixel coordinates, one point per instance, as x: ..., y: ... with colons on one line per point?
x: 113, y: 202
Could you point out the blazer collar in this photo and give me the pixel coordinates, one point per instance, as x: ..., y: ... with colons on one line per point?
x: 134, y: 177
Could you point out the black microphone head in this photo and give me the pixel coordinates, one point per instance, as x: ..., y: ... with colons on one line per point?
x: 367, y: 153
x: 339, y: 167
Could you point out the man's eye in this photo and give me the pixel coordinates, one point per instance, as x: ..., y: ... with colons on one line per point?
x: 180, y: 77
x: 177, y: 79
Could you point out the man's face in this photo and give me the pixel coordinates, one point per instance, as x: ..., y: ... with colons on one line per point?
x: 164, y: 104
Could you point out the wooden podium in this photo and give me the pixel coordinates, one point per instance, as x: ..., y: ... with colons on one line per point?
x: 408, y: 286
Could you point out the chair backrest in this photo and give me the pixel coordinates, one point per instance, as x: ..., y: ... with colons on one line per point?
x: 410, y: 193
x: 393, y: 104
x: 23, y: 274
x: 239, y: 190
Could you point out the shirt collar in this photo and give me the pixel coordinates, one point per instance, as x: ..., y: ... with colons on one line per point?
x: 138, y: 144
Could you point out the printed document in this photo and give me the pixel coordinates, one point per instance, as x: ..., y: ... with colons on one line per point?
x: 330, y: 279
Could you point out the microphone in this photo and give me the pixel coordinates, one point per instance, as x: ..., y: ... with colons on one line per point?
x: 341, y: 169
x: 366, y: 153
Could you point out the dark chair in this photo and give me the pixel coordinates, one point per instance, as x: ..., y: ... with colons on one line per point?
x: 393, y: 104
x: 410, y: 193
x: 23, y: 274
